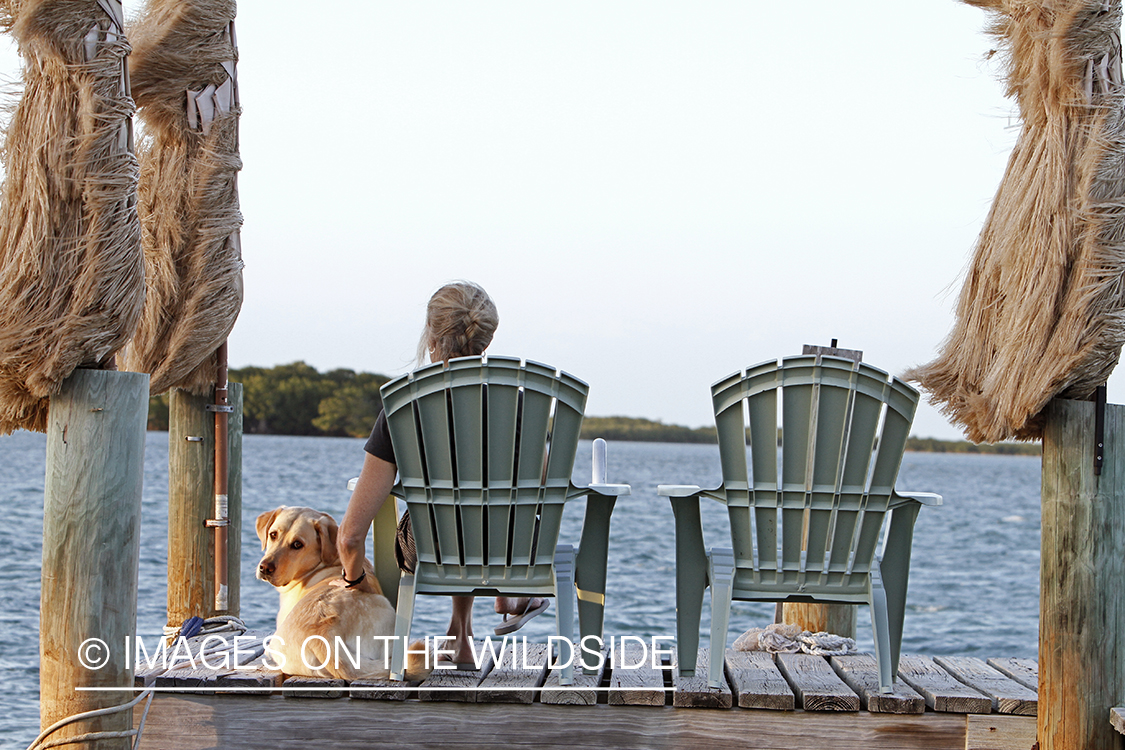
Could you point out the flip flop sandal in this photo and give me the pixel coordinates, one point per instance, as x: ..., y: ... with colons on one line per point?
x: 518, y: 621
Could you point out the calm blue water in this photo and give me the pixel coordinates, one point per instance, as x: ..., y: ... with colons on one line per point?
x: 974, y: 580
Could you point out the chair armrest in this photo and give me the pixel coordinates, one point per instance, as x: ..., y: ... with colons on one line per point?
x: 611, y: 490
x: 677, y: 490
x: 599, y: 490
x: 924, y: 498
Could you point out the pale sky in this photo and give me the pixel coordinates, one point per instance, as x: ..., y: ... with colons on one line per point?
x: 654, y: 193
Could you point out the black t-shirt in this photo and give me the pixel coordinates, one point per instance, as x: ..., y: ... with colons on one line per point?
x: 379, y: 444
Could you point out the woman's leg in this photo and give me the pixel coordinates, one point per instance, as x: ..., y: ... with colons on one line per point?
x: 461, y: 628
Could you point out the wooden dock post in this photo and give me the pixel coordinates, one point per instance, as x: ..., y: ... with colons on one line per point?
x: 91, y: 548
x: 191, y: 502
x: 838, y: 619
x: 1081, y: 607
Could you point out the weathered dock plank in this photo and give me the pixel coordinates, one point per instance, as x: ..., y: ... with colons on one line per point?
x: 693, y: 692
x: 941, y: 691
x: 253, y: 674
x: 1008, y: 696
x: 313, y: 687
x: 175, y: 656
x: 757, y: 682
x: 258, y: 672
x: 581, y: 693
x: 244, y: 682
x: 241, y: 666
x: 632, y: 680
x: 454, y: 685
x: 861, y: 673
x: 1023, y: 671
x: 209, y: 661
x: 999, y: 732
x: 516, y: 676
x: 816, y: 686
x: 193, y: 680
x: 188, y: 722
x: 381, y: 690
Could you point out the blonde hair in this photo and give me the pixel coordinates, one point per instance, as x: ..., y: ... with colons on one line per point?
x: 460, y: 322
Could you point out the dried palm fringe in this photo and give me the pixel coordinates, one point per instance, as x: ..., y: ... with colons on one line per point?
x: 188, y: 190
x: 1042, y: 309
x: 72, y: 281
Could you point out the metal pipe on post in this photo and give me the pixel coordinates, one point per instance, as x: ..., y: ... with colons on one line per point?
x: 194, y: 494
x: 221, y: 522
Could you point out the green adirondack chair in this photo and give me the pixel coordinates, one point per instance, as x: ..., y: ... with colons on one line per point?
x: 812, y: 536
x: 485, y: 449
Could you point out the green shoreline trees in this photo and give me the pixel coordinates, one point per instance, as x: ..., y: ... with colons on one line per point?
x: 296, y: 399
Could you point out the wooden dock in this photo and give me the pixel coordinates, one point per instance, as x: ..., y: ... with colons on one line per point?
x: 783, y: 701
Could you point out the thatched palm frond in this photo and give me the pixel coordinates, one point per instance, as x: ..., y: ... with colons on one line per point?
x: 1042, y: 310
x: 183, y: 74
x: 71, y: 274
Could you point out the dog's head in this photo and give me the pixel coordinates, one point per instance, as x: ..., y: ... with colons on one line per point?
x: 296, y: 542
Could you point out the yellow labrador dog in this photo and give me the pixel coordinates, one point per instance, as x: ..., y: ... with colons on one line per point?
x: 300, y: 560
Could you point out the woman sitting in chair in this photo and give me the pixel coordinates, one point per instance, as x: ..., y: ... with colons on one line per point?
x: 460, y: 322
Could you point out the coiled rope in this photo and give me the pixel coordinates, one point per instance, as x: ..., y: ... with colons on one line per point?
x: 41, y: 744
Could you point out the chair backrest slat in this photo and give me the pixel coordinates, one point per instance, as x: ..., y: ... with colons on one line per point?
x: 896, y: 429
x: 467, y: 413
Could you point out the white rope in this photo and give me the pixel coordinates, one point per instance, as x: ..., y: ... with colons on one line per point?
x: 826, y: 644
x: 781, y: 638
x: 777, y: 643
x: 40, y: 744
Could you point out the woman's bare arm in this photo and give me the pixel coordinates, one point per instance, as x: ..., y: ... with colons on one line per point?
x: 371, y: 491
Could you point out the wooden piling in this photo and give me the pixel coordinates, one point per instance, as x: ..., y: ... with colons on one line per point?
x: 191, y: 502
x: 838, y: 619
x: 91, y: 548
x: 1081, y: 609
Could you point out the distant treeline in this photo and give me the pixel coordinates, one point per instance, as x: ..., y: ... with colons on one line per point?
x: 295, y: 399
x: 644, y: 430
x: 933, y: 445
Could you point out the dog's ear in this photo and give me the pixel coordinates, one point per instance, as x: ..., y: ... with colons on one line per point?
x: 326, y: 530
x: 263, y: 524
